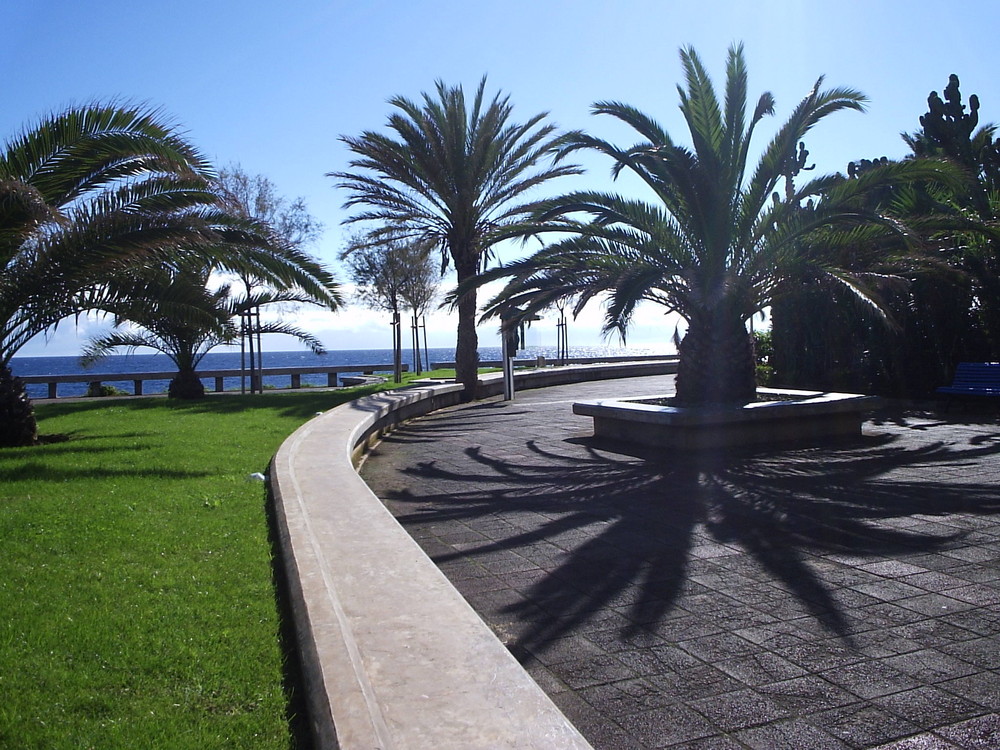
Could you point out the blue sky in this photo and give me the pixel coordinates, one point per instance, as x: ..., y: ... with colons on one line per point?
x: 271, y: 86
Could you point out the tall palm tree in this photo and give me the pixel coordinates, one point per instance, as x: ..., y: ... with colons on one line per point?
x: 454, y: 176
x: 719, y: 241
x: 84, y: 194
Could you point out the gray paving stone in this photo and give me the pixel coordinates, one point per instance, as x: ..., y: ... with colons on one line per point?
x: 864, y: 725
x: 760, y: 668
x: 977, y: 573
x: 739, y: 709
x: 715, y: 742
x: 978, y: 594
x: 626, y: 697
x: 892, y: 568
x: 980, y: 652
x: 982, y: 733
x: 594, y: 670
x: 716, y: 648
x: 818, y: 656
x: 793, y: 734
x: 671, y: 725
x: 926, y: 741
x: 695, y: 683
x: 889, y: 590
x: 802, y: 696
x: 930, y: 665
x: 934, y: 605
x: 870, y: 679
x: 930, y: 707
x: 659, y: 660
x: 981, y: 621
x: 982, y: 687
x: 932, y: 632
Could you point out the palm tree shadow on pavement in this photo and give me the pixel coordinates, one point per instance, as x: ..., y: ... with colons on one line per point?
x: 627, y: 528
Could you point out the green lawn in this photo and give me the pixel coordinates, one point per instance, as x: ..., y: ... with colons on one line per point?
x: 135, y: 578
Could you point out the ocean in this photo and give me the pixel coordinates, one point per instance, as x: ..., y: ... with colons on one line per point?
x: 130, y: 363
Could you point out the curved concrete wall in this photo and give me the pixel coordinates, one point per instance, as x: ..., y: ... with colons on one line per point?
x: 393, y: 656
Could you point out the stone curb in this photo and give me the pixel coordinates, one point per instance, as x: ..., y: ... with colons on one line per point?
x: 393, y: 656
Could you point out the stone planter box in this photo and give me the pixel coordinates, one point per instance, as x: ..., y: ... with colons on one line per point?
x: 810, y: 418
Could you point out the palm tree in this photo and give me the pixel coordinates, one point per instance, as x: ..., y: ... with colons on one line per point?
x: 187, y: 319
x: 455, y: 177
x: 182, y: 319
x: 84, y: 194
x: 719, y: 243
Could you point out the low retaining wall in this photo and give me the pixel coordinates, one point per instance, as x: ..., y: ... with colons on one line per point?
x: 393, y: 656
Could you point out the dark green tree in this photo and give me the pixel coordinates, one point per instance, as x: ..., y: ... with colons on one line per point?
x: 719, y: 243
x: 949, y: 131
x: 943, y: 309
x: 946, y: 307
x: 187, y: 308
x: 393, y: 276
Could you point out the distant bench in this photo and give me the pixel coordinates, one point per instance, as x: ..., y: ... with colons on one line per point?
x: 974, y: 379
x: 137, y: 378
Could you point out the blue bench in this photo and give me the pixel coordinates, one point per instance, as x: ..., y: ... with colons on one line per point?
x: 974, y: 379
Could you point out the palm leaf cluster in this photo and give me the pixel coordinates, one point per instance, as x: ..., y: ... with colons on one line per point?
x: 187, y: 308
x: 718, y: 242
x: 84, y: 195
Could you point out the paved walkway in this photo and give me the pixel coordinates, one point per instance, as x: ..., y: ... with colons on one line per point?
x: 844, y: 596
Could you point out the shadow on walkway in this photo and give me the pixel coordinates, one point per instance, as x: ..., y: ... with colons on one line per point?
x: 610, y: 529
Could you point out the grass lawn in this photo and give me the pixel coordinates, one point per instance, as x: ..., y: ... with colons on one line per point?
x: 135, y: 578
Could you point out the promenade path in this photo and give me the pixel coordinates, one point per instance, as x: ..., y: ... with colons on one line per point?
x: 840, y: 596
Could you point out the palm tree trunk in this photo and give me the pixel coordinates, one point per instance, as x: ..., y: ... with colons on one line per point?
x: 187, y: 385
x: 716, y: 362
x: 467, y: 346
x: 17, y: 415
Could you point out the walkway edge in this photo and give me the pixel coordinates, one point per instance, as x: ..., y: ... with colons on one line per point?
x: 393, y: 656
